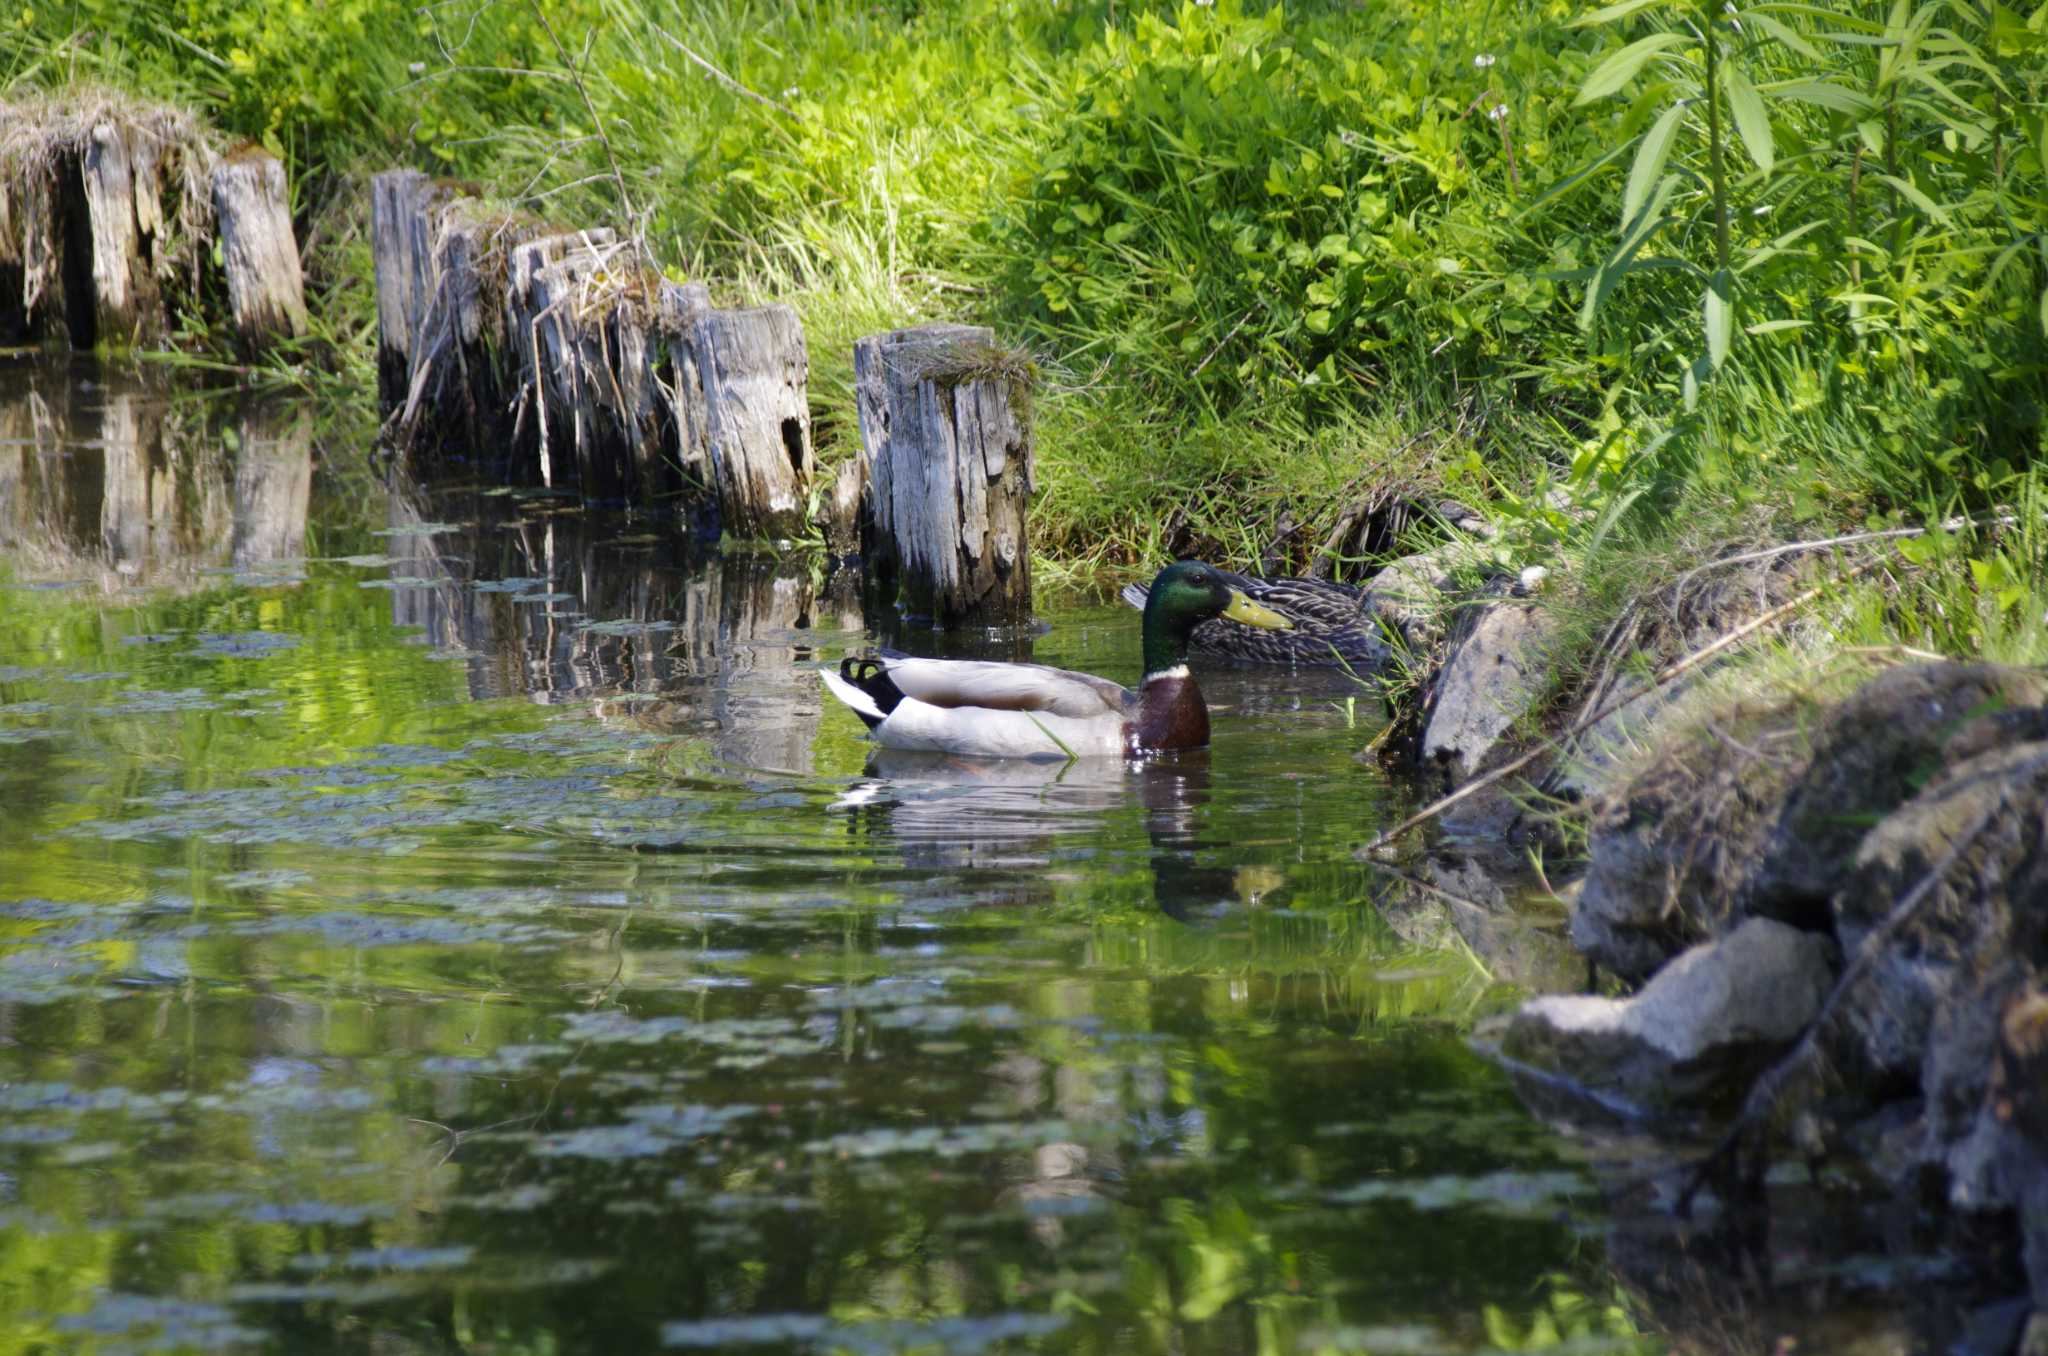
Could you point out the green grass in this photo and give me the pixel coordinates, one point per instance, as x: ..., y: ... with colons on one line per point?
x: 1717, y: 273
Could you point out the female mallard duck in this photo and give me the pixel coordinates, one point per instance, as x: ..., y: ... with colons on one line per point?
x: 995, y: 710
x: 1331, y: 624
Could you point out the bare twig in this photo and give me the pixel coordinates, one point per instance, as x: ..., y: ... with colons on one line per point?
x: 1218, y: 346
x: 1664, y: 677
x: 721, y: 77
x: 1770, y: 1086
x: 1850, y: 539
x: 575, y: 69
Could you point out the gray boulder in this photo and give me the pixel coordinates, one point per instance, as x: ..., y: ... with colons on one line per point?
x: 1670, y: 851
x: 1408, y: 594
x: 1870, y: 754
x: 1926, y: 1011
x: 1696, y: 1033
x: 1493, y: 678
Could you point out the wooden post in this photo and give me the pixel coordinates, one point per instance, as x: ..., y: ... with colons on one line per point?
x: 755, y: 374
x: 396, y: 197
x: 128, y: 307
x: 459, y: 396
x: 54, y: 304
x: 266, y: 291
x: 946, y: 441
x: 557, y: 336
x: 682, y: 305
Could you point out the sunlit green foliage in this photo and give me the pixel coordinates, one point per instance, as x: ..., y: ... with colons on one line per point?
x: 1769, y: 263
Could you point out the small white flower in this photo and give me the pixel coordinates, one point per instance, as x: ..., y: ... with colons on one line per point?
x: 1483, y: 60
x: 418, y: 68
x: 1499, y: 112
x: 793, y: 91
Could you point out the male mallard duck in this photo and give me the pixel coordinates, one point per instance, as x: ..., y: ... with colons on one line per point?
x: 996, y: 710
x: 1332, y: 624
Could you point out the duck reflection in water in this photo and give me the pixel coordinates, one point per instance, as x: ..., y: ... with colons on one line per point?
x: 947, y: 813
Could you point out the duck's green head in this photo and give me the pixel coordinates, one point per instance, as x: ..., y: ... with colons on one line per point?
x: 1187, y: 593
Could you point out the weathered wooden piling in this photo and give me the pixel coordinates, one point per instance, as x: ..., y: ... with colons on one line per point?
x: 106, y: 206
x: 401, y: 204
x: 946, y: 443
x: 755, y: 371
x: 266, y: 290
x: 563, y: 355
x: 128, y: 306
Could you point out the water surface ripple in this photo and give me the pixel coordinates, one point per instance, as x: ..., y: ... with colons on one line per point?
x: 444, y: 920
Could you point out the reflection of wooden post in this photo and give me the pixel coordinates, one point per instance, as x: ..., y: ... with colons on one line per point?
x: 273, y: 483
x: 17, y: 415
x: 946, y: 440
x: 755, y: 373
x: 125, y: 492
x: 266, y: 293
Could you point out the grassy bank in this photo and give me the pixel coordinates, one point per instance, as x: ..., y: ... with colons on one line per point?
x: 1718, y: 273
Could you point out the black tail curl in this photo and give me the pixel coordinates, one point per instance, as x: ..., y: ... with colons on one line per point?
x: 871, y: 676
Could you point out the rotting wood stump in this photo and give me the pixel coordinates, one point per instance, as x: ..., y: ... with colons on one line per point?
x: 252, y: 211
x: 754, y: 371
x: 946, y: 443
x: 106, y: 208
x: 562, y: 358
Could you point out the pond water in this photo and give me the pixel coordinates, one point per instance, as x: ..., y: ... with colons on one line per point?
x: 441, y: 919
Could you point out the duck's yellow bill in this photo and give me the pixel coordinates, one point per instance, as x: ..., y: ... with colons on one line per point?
x: 1243, y: 609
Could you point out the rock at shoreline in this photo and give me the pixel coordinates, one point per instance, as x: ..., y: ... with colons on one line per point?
x: 1495, y: 673
x: 1671, y: 849
x: 1988, y: 911
x: 1871, y: 752
x: 1408, y: 594
x: 1748, y: 816
x: 1697, y: 1033
x: 2018, y: 1105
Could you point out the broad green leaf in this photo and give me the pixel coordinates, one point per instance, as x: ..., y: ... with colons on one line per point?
x: 1620, y: 68
x: 1823, y: 94
x: 1572, y: 181
x: 1633, y: 237
x: 1916, y: 197
x: 1785, y: 34
x: 1610, y: 13
x: 1718, y: 302
x: 1774, y: 326
x: 1747, y: 107
x: 1764, y: 253
x: 1651, y: 154
x: 2010, y: 35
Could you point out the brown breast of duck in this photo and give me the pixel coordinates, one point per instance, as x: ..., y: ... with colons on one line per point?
x: 1171, y: 714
